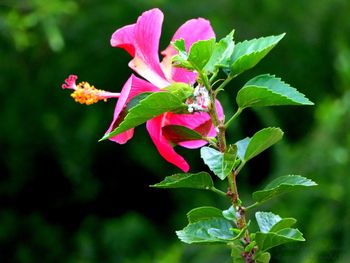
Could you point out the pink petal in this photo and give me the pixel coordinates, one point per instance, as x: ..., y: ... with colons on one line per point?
x: 191, y: 121
x: 200, y: 122
x: 124, y: 38
x: 132, y: 87
x: 191, y: 31
x: 141, y: 40
x: 194, y: 30
x: 165, y: 149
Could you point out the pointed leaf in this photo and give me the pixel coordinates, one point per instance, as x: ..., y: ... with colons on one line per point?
x: 180, y: 47
x: 136, y: 100
x: 180, y: 59
x: 201, y: 180
x: 242, y: 147
x: 248, y: 53
x: 262, y: 140
x: 221, y: 164
x: 200, y: 53
x: 275, y: 230
x: 267, y: 90
x: 266, y: 241
x: 220, y: 234
x: 222, y: 53
x: 177, y: 134
x: 215, y: 230
x: 153, y: 105
x: 266, y: 220
x: 281, y: 185
x: 203, y: 213
x: 283, y: 223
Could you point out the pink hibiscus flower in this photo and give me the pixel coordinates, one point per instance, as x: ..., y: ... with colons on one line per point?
x: 141, y: 41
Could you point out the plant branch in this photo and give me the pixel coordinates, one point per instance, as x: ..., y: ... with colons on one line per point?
x: 217, y: 191
x: 252, y: 206
x: 232, y: 192
x: 223, y: 84
x: 219, y: 124
x: 213, y: 76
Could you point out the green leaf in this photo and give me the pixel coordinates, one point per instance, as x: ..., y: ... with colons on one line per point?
x: 230, y: 214
x: 181, y: 90
x: 269, y: 240
x: 281, y: 185
x: 177, y: 134
x: 180, y: 47
x: 248, y: 53
x: 211, y: 231
x: 136, y: 100
x: 275, y: 230
x: 266, y: 220
x: 283, y: 223
x: 236, y: 251
x: 203, y: 213
x: 222, y: 53
x: 179, y: 62
x: 262, y: 140
x: 180, y: 59
x: 250, y: 246
x: 263, y: 257
x: 220, y: 234
x: 201, y: 180
x: 200, y: 53
x: 267, y: 90
x: 242, y: 147
x: 153, y: 105
x: 221, y: 164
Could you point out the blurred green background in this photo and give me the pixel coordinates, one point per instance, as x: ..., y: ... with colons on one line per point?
x: 64, y: 197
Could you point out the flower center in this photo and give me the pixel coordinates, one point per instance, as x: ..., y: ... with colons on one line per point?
x: 86, y: 94
x: 200, y: 100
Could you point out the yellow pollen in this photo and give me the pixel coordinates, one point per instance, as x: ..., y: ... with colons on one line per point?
x: 86, y: 94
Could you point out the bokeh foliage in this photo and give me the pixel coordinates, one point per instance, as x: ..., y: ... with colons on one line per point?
x: 66, y: 198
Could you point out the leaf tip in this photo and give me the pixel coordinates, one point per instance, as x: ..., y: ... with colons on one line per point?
x: 105, y: 137
x: 280, y: 36
x: 181, y: 235
x: 313, y: 183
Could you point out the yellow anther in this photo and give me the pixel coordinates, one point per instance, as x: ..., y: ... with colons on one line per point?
x: 86, y: 94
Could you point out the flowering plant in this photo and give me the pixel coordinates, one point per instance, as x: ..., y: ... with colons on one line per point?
x: 177, y: 99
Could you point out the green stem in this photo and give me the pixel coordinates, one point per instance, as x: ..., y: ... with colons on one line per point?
x: 213, y: 76
x: 221, y: 138
x: 218, y: 124
x: 240, y: 167
x: 217, y: 191
x: 241, y: 218
x: 237, y: 113
x: 252, y: 206
x: 223, y: 84
x: 233, y: 189
x: 205, y: 80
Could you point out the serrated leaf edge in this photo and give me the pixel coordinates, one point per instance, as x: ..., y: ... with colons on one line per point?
x: 284, y: 83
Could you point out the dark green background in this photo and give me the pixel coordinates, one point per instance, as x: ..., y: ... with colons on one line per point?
x: 64, y: 197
